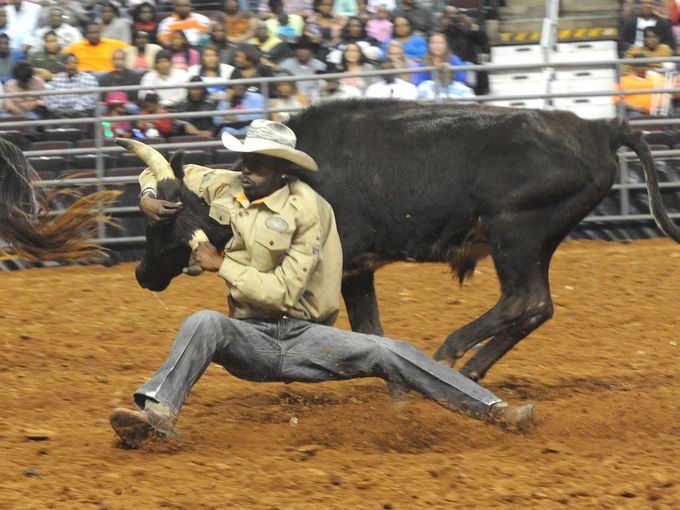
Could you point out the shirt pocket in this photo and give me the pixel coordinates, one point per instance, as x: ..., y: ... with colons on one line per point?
x: 269, y: 248
x: 220, y: 214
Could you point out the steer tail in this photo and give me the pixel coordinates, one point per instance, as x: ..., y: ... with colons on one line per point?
x: 634, y: 140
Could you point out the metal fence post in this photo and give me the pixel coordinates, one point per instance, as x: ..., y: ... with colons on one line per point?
x: 99, y: 143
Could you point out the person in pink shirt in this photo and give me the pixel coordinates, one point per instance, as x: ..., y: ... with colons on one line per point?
x: 380, y: 28
x: 183, y: 55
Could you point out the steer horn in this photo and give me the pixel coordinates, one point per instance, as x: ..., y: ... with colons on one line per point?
x: 198, y: 237
x: 158, y: 165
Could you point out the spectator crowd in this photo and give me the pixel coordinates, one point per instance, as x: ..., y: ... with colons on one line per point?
x: 66, y: 45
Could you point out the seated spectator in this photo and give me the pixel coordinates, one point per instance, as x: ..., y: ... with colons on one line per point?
x: 183, y: 55
x: 420, y: 17
x: 631, y: 33
x: 355, y: 32
x: 121, y: 76
x: 47, y: 61
x: 313, y: 32
x: 144, y: 19
x: 445, y: 89
x: 331, y: 24
x: 217, y: 37
x: 112, y: 25
x: 438, y: 54
x: 277, y: 18
x: 117, y: 104
x: 248, y: 65
x: 193, y: 24
x: 390, y: 86
x: 210, y: 71
x: 16, y: 40
x: 395, y: 55
x: 197, y: 101
x: 74, y: 11
x: 165, y: 74
x: 652, y: 48
x: 66, y: 34
x: 141, y: 56
x: 380, y: 27
x: 151, y: 105
x: 238, y: 24
x: 22, y: 22
x: 415, y: 46
x: 23, y: 80
x: 333, y: 90
x: 272, y: 49
x: 94, y: 52
x: 77, y: 104
x: 640, y: 78
x: 354, y: 61
x: 303, y: 64
x: 286, y: 95
x: 363, y: 13
x: 238, y: 98
x: 8, y: 58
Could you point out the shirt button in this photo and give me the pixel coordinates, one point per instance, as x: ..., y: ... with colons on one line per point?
x: 246, y: 213
x: 271, y: 243
x: 304, y: 269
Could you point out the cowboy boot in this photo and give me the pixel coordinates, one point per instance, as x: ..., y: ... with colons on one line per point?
x: 514, y: 418
x: 133, y: 427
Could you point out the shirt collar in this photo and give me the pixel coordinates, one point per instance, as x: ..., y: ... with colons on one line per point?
x: 275, y: 202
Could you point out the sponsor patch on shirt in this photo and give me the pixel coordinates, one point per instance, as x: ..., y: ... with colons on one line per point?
x: 277, y: 224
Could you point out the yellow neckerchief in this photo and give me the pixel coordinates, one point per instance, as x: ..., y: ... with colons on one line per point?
x: 243, y: 200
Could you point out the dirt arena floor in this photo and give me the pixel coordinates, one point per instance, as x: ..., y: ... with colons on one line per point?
x: 603, y: 373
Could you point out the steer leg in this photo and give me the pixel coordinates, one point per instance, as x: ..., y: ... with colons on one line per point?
x: 358, y: 291
x: 522, y: 268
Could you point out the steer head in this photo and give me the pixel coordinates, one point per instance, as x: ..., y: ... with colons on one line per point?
x: 169, y: 244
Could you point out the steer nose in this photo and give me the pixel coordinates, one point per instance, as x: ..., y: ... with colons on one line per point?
x: 141, y: 279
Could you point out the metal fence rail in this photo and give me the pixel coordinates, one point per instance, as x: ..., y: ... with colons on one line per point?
x: 624, y: 186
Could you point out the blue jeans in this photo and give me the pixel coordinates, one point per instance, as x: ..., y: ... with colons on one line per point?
x: 292, y: 350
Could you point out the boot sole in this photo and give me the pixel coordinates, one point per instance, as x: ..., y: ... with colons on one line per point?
x: 132, y: 427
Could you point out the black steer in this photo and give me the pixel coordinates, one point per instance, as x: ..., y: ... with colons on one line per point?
x: 442, y: 183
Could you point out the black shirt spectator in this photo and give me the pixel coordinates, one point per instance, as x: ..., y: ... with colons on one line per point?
x: 121, y: 75
x: 198, y: 101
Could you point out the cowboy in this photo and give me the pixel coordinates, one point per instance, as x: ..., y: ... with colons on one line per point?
x: 283, y: 269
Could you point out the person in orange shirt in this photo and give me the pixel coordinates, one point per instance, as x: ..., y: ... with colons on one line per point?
x: 95, y: 52
x: 640, y: 78
x: 193, y: 24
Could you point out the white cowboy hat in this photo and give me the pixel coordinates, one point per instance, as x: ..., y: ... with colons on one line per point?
x: 272, y: 139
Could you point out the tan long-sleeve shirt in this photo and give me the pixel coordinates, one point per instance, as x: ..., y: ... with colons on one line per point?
x: 285, y: 256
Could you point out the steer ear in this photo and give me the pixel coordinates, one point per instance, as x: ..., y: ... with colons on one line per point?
x: 177, y: 164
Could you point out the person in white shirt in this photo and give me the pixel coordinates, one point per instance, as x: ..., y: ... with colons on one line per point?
x: 22, y: 19
x: 446, y: 88
x: 165, y: 74
x: 66, y: 34
x: 389, y: 86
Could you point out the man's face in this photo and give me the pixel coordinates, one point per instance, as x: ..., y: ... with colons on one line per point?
x: 71, y: 64
x: 354, y: 28
x: 93, y: 34
x: 402, y: 27
x: 640, y: 70
x: 141, y: 40
x: 231, y: 7
x: 56, y: 18
x: 303, y: 54
x: 262, y: 33
x: 260, y: 175
x: 646, y: 7
x: 182, y: 8
x: 107, y: 13
x: 118, y: 60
